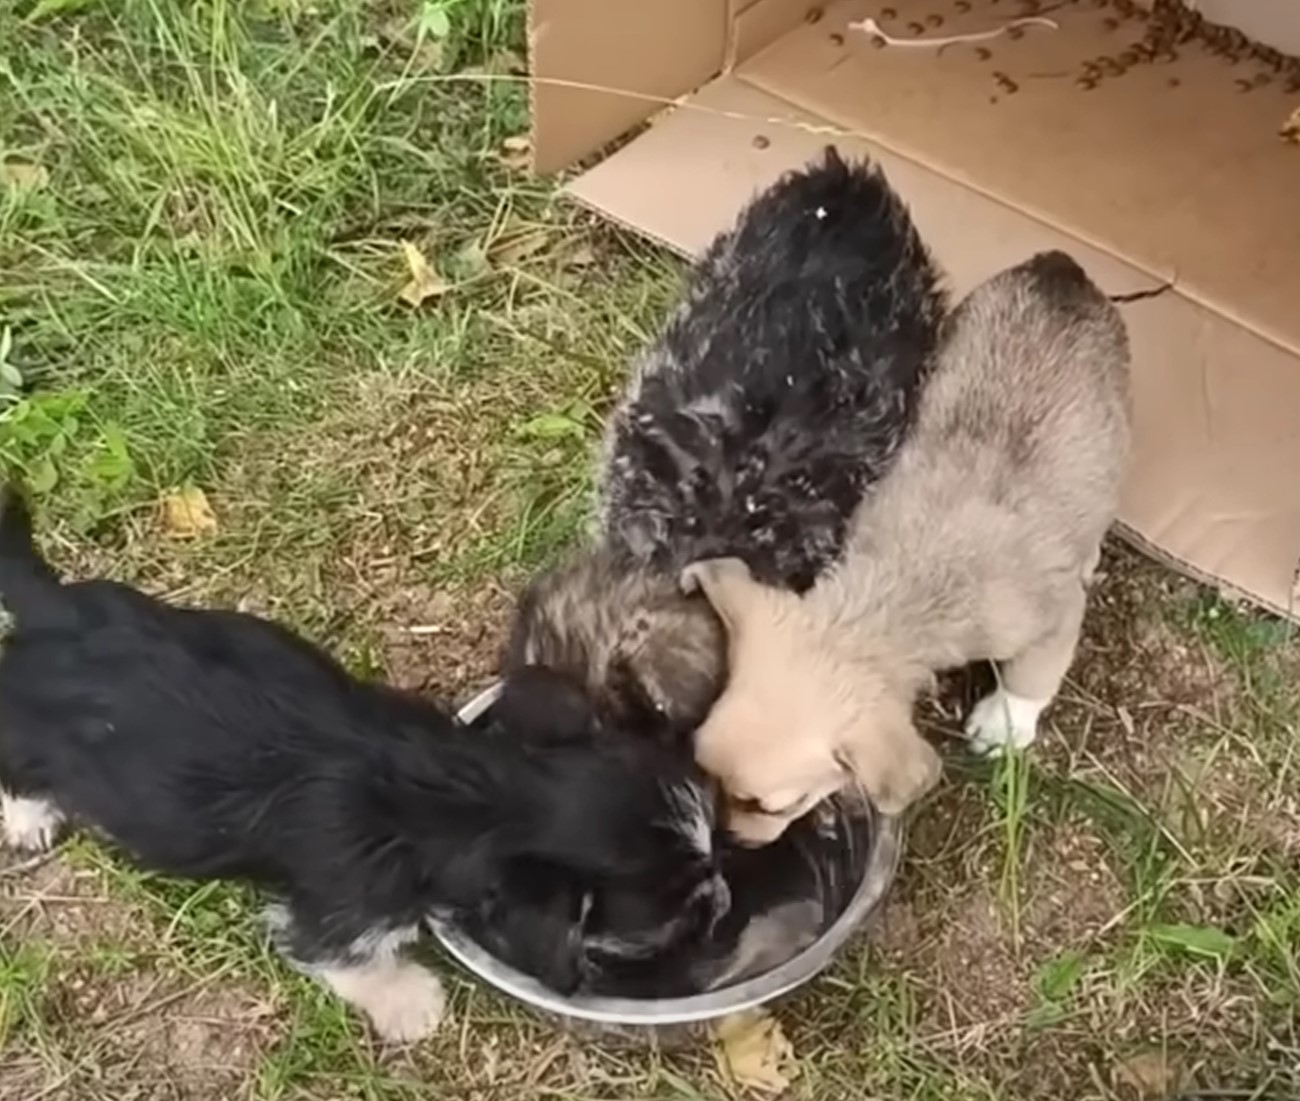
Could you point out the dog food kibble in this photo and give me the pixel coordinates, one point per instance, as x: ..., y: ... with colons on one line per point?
x: 1172, y: 23
x: 761, y: 141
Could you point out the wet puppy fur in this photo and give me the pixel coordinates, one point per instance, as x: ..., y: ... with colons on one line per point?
x: 547, y: 921
x: 215, y: 745
x: 778, y: 391
x: 977, y: 544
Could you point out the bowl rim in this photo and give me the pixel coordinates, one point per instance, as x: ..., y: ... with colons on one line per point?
x: 877, y: 877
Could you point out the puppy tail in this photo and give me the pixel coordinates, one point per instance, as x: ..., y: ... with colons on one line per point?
x: 27, y: 582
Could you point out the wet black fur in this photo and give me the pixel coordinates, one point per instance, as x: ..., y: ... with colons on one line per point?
x: 783, y: 383
x: 212, y: 744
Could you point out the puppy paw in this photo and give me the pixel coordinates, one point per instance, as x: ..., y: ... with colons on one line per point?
x: 1001, y: 720
x: 31, y: 824
x: 409, y: 1007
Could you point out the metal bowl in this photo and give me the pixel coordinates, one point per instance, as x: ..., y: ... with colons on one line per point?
x: 881, y: 862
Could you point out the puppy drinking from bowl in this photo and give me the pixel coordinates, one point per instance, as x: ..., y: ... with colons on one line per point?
x: 777, y: 393
x: 977, y: 544
x: 779, y: 390
x: 215, y: 745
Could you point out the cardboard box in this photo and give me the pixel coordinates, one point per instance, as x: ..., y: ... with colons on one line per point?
x: 1171, y: 171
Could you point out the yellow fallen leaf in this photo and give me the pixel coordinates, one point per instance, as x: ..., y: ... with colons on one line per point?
x: 188, y: 514
x: 753, y: 1052
x: 505, y: 63
x: 1150, y: 1075
x: 517, y: 152
x: 425, y: 283
x: 510, y: 248
x: 24, y: 176
x: 580, y: 255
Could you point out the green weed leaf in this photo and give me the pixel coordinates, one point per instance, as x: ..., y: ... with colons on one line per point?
x: 434, y: 20
x: 1057, y: 978
x: 551, y: 426
x: 43, y: 475
x: 1195, y: 940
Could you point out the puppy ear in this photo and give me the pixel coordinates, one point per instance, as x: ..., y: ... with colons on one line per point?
x: 727, y: 584
x: 537, y: 702
x: 891, y: 761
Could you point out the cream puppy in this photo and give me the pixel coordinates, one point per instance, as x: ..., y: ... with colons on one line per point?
x: 977, y: 544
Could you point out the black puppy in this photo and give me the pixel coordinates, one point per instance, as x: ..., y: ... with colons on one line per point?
x: 216, y: 745
x: 777, y: 393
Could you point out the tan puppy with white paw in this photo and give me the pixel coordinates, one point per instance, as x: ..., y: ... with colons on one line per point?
x: 977, y: 544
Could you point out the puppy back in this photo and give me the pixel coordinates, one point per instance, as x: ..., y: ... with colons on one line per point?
x: 782, y: 384
x: 1031, y: 386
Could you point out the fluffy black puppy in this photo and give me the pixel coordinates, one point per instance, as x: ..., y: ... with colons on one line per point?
x: 214, y: 744
x: 548, y: 923
x: 778, y: 392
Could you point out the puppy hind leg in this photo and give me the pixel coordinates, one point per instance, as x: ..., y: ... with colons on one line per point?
x: 1027, y: 684
x: 404, y: 1001
x: 31, y: 821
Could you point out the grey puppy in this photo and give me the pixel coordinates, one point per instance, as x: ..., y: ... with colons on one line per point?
x: 977, y: 544
x: 779, y: 390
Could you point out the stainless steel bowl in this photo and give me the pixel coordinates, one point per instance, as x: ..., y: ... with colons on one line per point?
x: 878, y: 874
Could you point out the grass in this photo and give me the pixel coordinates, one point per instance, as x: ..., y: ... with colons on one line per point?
x: 203, y: 215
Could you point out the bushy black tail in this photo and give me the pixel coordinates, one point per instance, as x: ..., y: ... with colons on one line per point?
x: 30, y: 590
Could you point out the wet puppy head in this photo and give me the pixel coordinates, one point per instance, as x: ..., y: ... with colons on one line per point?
x: 804, y: 712
x: 616, y: 862
x: 650, y: 657
x: 656, y: 890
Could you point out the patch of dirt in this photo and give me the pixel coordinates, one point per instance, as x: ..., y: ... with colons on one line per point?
x: 116, y: 1020
x: 446, y: 642
x: 150, y: 1033
x: 62, y: 903
x: 952, y: 931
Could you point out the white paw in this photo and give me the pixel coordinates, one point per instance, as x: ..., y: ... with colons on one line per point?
x: 410, y: 1006
x: 31, y: 824
x: 1001, y: 720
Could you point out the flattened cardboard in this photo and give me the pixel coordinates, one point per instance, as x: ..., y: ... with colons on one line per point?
x: 1170, y: 172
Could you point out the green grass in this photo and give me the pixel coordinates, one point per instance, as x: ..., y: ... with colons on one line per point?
x: 203, y: 211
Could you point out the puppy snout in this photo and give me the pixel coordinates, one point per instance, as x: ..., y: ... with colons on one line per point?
x: 753, y: 831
